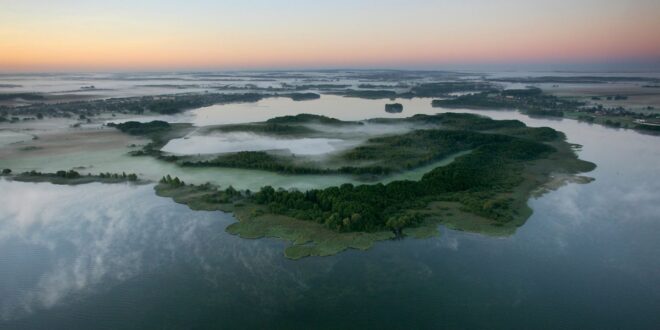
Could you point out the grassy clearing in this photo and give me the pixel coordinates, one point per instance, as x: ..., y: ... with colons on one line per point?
x: 307, y: 238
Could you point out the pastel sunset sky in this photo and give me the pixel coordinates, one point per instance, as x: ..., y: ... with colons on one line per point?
x: 260, y: 34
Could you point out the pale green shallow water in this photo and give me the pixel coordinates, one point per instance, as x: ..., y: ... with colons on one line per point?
x: 117, y: 256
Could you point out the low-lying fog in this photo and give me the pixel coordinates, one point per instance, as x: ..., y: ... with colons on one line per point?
x: 243, y: 141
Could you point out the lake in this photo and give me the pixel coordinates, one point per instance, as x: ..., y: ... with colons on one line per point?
x: 117, y: 256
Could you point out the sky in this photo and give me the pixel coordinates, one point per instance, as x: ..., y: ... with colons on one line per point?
x: 64, y: 35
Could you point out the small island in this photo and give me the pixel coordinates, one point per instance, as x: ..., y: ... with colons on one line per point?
x: 394, y: 107
x: 304, y: 96
x: 70, y: 177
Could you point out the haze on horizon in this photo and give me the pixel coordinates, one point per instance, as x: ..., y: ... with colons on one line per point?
x: 41, y: 35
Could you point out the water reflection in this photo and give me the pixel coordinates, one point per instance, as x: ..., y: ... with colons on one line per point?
x: 78, y: 237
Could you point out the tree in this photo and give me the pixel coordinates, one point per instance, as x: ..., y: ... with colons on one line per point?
x: 231, y: 191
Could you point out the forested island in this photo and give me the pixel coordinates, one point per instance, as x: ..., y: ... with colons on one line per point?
x: 70, y: 177
x: 533, y: 102
x: 484, y: 190
x: 303, y: 96
x: 161, y: 104
x: 394, y: 107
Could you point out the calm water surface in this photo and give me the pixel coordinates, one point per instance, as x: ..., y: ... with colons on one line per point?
x: 111, y: 256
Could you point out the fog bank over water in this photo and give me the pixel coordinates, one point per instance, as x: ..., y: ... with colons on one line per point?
x: 243, y: 141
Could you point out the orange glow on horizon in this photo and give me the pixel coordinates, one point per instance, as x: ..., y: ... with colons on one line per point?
x: 112, y: 42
